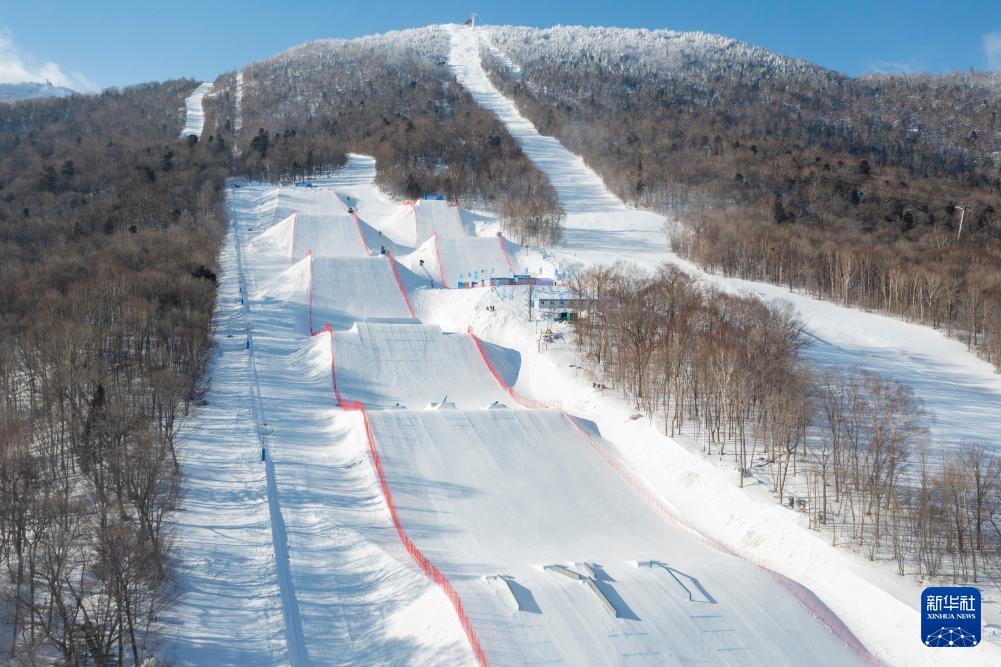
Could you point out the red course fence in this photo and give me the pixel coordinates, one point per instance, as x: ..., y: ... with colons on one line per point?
x: 354, y: 214
x: 418, y: 557
x: 422, y: 561
x: 507, y: 258
x: 309, y: 295
x: 399, y: 283
x: 333, y: 371
x: 518, y: 398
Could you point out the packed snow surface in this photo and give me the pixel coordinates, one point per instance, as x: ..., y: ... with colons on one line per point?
x: 598, y: 227
x: 411, y: 365
x: 449, y: 261
x: 506, y: 493
x: 435, y: 217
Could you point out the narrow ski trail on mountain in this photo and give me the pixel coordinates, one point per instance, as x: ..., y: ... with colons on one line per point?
x: 598, y: 228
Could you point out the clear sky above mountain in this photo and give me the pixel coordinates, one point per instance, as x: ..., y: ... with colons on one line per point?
x: 89, y: 45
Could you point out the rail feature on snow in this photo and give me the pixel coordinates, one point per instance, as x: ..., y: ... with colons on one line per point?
x: 695, y: 591
x: 806, y: 597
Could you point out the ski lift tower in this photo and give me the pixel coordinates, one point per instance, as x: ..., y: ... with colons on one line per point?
x: 471, y: 21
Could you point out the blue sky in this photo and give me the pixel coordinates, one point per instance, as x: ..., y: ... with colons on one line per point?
x: 103, y: 43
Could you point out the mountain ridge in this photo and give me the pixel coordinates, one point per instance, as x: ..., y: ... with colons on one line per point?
x: 29, y: 90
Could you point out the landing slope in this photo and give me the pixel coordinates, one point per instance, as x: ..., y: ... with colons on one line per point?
x: 508, y: 492
x: 345, y: 290
x: 411, y: 364
x: 438, y: 217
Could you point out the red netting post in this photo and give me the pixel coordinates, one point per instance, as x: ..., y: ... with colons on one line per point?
x: 429, y: 569
x: 399, y: 283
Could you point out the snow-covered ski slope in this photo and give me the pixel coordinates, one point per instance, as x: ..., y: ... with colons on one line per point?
x: 497, y: 497
x: 346, y: 290
x: 434, y: 217
x: 356, y: 597
x: 598, y: 225
x: 377, y: 507
x: 411, y: 365
x: 230, y: 608
x: 449, y: 261
x: 960, y: 392
x: 194, y: 112
x: 302, y: 234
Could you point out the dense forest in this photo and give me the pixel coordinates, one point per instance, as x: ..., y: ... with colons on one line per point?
x: 110, y: 226
x: 847, y: 449
x: 393, y: 97
x: 109, y: 230
x: 882, y: 192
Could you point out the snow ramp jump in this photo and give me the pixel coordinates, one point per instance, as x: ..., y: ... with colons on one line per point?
x: 385, y: 365
x: 451, y: 260
x: 345, y: 290
x: 433, y: 216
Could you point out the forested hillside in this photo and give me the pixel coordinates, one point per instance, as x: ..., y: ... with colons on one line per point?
x: 783, y: 171
x: 109, y: 233
x: 109, y: 230
x: 880, y: 192
x: 391, y: 96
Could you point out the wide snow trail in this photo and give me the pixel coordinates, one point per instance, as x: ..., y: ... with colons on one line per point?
x: 295, y: 640
x: 195, y: 113
x: 230, y: 609
x: 598, y: 225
